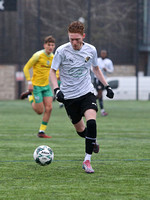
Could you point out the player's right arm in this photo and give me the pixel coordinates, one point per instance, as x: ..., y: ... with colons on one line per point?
x: 58, y: 93
x: 53, y: 78
x: 55, y: 66
x: 54, y: 69
x: 33, y: 60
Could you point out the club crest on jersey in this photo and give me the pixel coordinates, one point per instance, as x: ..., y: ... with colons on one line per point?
x: 48, y: 62
x: 87, y: 58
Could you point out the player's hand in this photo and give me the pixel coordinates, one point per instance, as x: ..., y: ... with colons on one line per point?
x: 59, y: 95
x: 110, y: 93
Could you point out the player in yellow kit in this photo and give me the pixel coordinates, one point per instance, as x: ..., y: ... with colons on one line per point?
x: 39, y: 92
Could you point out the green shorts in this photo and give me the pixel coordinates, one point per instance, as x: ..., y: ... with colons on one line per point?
x: 58, y: 81
x: 41, y: 91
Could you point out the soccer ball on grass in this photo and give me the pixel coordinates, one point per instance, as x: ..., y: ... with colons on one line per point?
x: 43, y: 155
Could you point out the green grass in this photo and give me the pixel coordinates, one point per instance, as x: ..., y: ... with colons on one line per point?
x: 122, y: 168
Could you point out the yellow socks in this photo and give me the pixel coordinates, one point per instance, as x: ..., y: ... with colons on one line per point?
x: 31, y: 99
x: 43, y: 126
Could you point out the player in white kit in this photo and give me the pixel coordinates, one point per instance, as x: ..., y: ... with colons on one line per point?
x: 106, y: 66
x: 74, y: 60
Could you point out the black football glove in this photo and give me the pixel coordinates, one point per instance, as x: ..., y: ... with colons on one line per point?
x: 59, y: 95
x: 110, y: 93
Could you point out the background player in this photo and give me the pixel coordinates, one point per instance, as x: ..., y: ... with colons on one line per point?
x: 106, y: 66
x: 74, y: 60
x: 42, y: 96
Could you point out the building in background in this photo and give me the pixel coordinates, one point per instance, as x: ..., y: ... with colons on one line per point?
x: 122, y: 28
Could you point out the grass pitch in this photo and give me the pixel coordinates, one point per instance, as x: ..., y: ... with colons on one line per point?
x: 122, y: 168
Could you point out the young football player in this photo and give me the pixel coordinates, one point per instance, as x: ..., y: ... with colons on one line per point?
x: 39, y: 92
x: 106, y: 66
x: 74, y: 60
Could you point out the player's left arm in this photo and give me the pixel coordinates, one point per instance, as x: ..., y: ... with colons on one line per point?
x: 98, y: 73
x: 100, y: 76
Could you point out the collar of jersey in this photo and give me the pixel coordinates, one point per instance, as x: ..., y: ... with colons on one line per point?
x: 77, y: 50
x: 47, y: 54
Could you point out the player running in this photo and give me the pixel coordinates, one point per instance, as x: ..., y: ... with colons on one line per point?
x: 74, y: 60
x: 106, y: 66
x: 39, y: 92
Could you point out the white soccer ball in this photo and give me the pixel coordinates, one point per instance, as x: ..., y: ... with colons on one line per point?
x: 43, y: 155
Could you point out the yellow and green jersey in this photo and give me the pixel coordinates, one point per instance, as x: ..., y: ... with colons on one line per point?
x: 41, y: 63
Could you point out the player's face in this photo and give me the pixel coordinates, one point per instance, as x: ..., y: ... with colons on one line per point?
x: 49, y: 47
x: 76, y: 40
x: 103, y: 54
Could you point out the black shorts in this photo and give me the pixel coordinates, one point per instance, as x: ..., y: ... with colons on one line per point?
x: 98, y: 85
x: 76, y: 107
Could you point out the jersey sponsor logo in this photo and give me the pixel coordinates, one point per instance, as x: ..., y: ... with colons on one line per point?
x: 45, y: 66
x: 78, y: 72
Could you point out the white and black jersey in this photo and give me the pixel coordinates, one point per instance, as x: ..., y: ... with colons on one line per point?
x: 106, y: 64
x: 74, y: 68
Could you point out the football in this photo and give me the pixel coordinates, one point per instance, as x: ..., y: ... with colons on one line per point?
x: 43, y: 155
